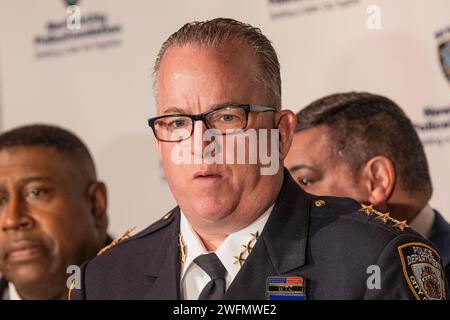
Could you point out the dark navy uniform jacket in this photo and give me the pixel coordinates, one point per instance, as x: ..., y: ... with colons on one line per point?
x: 331, y: 243
x: 440, y: 236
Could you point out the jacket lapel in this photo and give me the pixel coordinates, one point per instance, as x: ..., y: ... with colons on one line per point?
x: 282, y: 245
x: 164, y: 268
x: 3, y: 287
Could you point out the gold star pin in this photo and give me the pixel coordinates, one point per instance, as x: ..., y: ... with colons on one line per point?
x: 367, y: 209
x: 239, y: 260
x: 255, y: 235
x: 384, y: 217
x: 248, y: 247
x: 401, y: 225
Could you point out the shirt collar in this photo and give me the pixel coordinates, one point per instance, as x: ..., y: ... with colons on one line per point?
x: 233, y: 247
x: 12, y: 292
x: 423, y: 222
x: 193, y: 246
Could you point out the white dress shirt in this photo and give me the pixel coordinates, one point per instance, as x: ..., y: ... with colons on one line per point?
x: 193, y: 278
x: 423, y: 222
x: 12, y: 292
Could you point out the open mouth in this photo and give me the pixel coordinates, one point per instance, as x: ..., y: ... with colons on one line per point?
x: 207, y: 177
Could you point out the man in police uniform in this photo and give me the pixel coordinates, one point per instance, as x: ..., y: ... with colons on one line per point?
x: 52, y: 211
x: 380, y: 172
x: 238, y: 233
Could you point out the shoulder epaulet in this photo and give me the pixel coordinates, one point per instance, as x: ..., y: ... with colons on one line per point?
x: 116, y: 241
x: 384, y: 217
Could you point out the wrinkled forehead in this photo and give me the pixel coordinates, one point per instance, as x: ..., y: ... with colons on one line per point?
x: 196, y: 78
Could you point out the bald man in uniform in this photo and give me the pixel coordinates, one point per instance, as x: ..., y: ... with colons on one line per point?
x: 245, y: 229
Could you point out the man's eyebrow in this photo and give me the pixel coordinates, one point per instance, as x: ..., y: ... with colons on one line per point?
x: 300, y: 167
x: 173, y: 110
x: 213, y: 107
x: 221, y: 105
x: 27, y: 180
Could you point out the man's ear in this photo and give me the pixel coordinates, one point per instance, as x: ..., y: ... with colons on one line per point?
x: 285, y: 122
x: 99, y: 202
x: 379, y: 179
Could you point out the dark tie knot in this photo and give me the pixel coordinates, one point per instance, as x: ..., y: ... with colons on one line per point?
x: 212, y: 265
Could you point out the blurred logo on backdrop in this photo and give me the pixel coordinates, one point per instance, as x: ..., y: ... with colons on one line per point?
x: 434, y: 129
x: 76, y: 31
x: 443, y: 38
x: 71, y: 2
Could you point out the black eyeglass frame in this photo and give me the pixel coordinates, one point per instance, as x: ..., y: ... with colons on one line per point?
x: 202, y: 117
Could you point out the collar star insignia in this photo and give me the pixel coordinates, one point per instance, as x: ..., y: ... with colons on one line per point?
x: 401, y: 225
x: 255, y: 235
x: 181, y: 247
x: 384, y: 217
x: 239, y: 260
x: 248, y: 247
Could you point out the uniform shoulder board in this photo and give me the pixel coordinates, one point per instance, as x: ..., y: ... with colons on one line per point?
x: 116, y: 241
x: 384, y: 217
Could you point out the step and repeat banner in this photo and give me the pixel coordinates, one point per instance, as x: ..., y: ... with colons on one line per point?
x: 94, y: 77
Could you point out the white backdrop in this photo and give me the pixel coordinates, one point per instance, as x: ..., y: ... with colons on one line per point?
x: 98, y: 83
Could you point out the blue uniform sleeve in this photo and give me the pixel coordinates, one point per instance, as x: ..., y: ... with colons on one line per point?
x: 409, y: 268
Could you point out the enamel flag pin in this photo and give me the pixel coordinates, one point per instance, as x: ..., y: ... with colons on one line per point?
x: 285, y: 288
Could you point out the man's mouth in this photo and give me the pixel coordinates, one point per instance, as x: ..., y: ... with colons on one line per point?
x: 205, y: 177
x: 24, y: 250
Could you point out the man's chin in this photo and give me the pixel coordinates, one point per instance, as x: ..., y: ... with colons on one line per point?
x: 37, y: 284
x: 28, y: 273
x: 212, y: 210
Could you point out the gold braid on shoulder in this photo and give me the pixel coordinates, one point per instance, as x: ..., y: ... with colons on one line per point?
x: 112, y: 244
x: 116, y: 241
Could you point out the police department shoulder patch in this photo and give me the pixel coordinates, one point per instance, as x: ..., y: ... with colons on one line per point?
x: 422, y: 270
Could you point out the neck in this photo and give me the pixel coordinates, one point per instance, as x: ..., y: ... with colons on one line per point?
x: 405, y: 208
x: 214, y: 233
x: 212, y: 242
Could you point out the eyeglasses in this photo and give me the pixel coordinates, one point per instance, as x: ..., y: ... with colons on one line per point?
x: 226, y: 119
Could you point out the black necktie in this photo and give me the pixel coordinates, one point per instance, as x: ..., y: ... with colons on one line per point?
x: 214, y: 289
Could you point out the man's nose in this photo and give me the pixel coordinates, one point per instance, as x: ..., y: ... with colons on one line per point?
x: 198, y: 145
x: 14, y: 216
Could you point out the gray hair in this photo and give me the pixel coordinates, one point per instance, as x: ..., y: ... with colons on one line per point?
x: 215, y: 32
